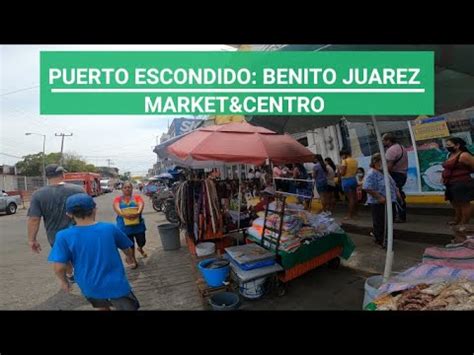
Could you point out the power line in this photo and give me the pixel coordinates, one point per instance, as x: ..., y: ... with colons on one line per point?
x: 12, y: 156
x: 20, y: 90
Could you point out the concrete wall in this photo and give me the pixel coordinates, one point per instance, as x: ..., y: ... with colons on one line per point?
x: 23, y: 183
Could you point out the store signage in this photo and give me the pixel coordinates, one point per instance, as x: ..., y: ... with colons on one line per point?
x: 183, y: 125
x: 237, y: 83
x: 430, y: 128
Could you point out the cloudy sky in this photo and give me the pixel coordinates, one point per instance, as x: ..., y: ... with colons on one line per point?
x: 126, y: 140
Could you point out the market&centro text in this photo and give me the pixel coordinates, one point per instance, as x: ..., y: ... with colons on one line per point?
x: 234, y: 104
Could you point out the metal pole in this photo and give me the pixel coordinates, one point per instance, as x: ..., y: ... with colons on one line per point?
x: 44, y: 165
x: 62, y: 146
x: 62, y: 135
x: 415, y: 150
x: 240, y: 198
x: 388, y: 202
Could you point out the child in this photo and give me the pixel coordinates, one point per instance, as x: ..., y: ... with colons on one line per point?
x: 92, y: 247
x: 374, y: 185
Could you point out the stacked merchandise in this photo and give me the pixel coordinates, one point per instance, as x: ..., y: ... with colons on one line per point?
x: 299, y: 227
x: 460, y: 255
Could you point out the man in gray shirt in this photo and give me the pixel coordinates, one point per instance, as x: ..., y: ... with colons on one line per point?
x: 49, y: 202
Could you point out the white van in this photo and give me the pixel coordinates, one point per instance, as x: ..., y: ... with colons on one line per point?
x: 105, y: 186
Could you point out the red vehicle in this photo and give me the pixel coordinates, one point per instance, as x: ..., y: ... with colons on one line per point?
x: 89, y: 181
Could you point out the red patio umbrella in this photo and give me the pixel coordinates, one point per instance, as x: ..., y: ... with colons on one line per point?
x: 240, y: 143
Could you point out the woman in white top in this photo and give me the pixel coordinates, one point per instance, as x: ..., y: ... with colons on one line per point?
x: 331, y: 178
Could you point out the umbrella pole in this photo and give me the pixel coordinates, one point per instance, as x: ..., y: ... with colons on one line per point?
x: 240, y: 199
x: 388, y: 206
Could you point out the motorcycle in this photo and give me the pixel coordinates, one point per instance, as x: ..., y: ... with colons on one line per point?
x: 159, y: 197
x: 170, y: 211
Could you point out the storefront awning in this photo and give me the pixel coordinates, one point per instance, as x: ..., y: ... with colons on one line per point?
x: 454, y: 86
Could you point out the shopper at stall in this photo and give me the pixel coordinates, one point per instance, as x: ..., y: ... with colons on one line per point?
x: 92, y: 248
x: 361, y: 194
x: 347, y: 172
x: 331, y: 177
x: 374, y: 185
x: 303, y: 189
x: 320, y: 173
x: 251, y: 175
x: 277, y: 173
x: 129, y: 208
x: 397, y: 163
x: 457, y: 179
x: 258, y: 177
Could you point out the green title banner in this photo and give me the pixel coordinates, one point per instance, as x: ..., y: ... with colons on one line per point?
x: 246, y: 83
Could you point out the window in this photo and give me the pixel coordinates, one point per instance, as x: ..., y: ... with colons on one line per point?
x: 363, y: 144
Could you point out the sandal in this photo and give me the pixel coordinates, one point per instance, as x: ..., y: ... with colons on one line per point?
x: 452, y: 223
x: 133, y: 266
x: 142, y: 252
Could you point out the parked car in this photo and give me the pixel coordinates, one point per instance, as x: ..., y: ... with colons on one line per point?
x: 9, y: 204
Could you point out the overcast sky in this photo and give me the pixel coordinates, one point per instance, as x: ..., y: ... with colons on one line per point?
x: 126, y: 140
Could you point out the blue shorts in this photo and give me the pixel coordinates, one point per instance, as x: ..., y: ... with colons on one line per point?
x: 349, y: 184
x: 322, y: 187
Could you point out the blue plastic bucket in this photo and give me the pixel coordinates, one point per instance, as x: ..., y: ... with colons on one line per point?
x: 225, y: 301
x: 213, y: 277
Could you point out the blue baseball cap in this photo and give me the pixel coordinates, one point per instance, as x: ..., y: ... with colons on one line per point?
x: 79, y: 202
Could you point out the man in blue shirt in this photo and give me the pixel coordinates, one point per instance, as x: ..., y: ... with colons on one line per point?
x: 92, y: 247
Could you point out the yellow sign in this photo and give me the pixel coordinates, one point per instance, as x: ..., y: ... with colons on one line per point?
x: 228, y: 119
x: 430, y: 128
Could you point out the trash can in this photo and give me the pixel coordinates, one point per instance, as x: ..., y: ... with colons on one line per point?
x: 169, y: 235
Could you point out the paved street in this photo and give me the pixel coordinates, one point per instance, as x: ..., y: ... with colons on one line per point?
x: 162, y: 281
x: 166, y: 279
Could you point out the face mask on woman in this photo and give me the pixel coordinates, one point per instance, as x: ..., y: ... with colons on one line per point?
x: 451, y: 149
x: 360, y: 175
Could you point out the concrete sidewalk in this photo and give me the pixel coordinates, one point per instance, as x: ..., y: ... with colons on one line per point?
x: 424, y: 225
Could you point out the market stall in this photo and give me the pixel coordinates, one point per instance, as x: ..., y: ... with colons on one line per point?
x: 233, y: 143
x: 201, y: 202
x: 444, y: 280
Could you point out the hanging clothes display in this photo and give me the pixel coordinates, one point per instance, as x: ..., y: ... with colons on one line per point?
x: 199, y: 209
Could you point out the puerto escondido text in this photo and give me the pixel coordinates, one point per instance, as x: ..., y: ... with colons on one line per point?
x: 276, y: 83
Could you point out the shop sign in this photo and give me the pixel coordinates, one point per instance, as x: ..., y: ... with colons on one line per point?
x: 430, y: 128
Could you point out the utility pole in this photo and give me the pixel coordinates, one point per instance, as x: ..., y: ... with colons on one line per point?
x: 62, y: 135
x: 109, y: 161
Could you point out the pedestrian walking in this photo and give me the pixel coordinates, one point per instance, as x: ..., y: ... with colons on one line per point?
x: 49, y: 203
x: 129, y: 208
x: 92, y: 248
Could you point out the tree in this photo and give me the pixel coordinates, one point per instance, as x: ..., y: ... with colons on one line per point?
x: 32, y: 165
x: 126, y: 176
x: 74, y: 163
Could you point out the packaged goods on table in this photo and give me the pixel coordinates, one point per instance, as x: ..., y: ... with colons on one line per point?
x: 458, y: 295
x: 308, y: 242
